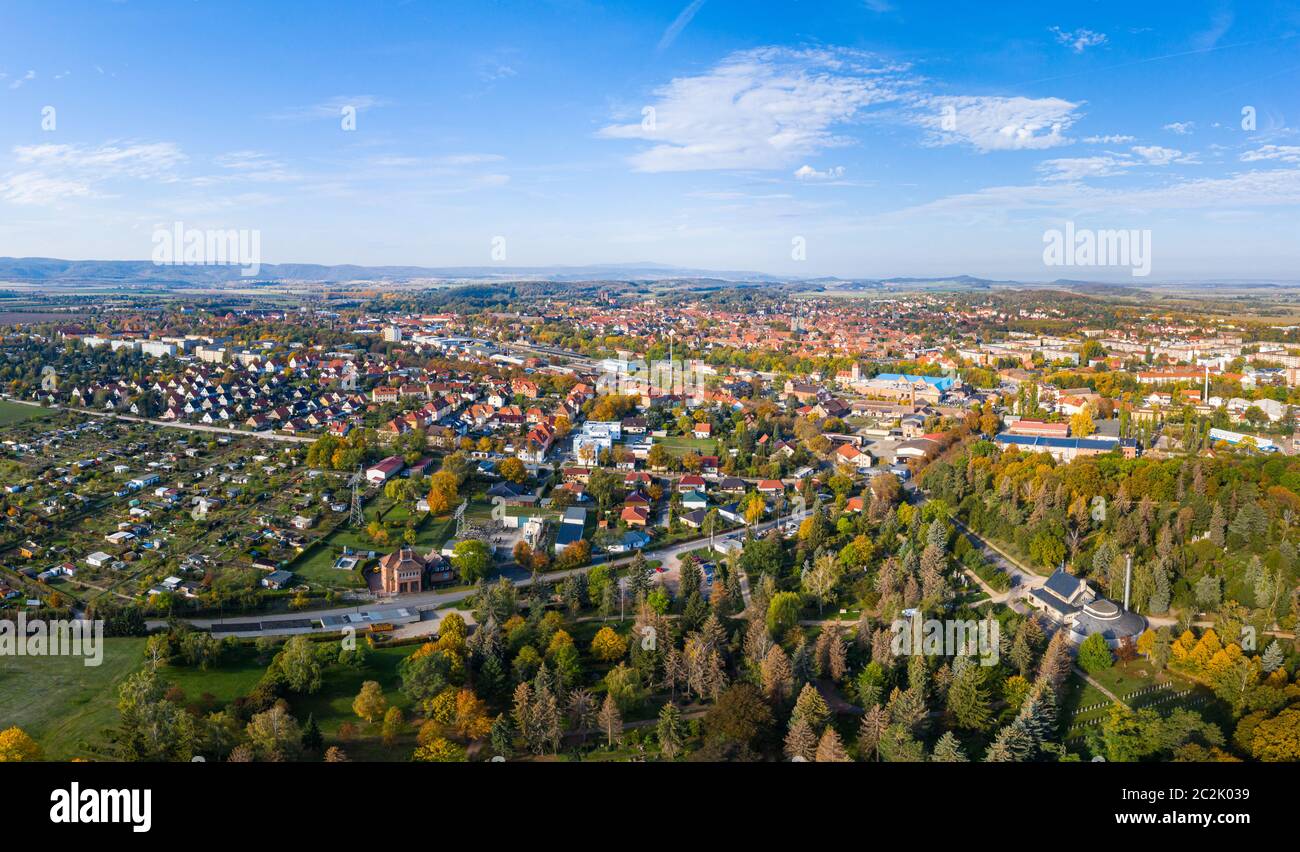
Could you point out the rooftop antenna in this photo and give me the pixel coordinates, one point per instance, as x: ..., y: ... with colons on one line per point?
x: 1128, y: 577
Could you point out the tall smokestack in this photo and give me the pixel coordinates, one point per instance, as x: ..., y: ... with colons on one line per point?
x: 1128, y: 577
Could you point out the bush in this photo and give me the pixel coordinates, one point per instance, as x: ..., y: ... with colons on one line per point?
x: 1094, y: 654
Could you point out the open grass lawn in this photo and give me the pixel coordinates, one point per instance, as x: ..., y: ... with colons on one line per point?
x: 680, y: 445
x: 332, y: 703
x: 332, y: 706
x: 1124, y: 679
x: 14, y: 412
x: 63, y: 703
x: 238, y: 673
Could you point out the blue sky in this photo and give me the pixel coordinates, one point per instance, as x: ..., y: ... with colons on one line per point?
x: 888, y: 137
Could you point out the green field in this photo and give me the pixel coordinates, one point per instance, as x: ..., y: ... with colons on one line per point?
x: 680, y: 445
x: 315, y: 565
x: 238, y: 673
x: 63, y: 703
x: 15, y: 412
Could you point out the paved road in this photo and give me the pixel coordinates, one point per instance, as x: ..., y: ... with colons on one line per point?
x: 1023, y: 579
x: 423, y: 601
x: 266, y: 435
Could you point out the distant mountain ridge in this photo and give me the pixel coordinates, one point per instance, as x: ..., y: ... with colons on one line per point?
x: 38, y: 270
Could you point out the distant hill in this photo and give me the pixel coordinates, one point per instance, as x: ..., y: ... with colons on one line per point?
x: 55, y: 271
x: 46, y: 269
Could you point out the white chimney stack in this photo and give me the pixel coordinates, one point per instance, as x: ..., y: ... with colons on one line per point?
x: 1128, y: 577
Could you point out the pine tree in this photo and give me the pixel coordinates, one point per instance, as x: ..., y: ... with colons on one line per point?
x: 830, y: 749
x: 1272, y: 658
x: 838, y: 654
x: 547, y: 727
x: 611, y: 721
x: 802, y: 664
x: 312, y: 739
x: 874, y: 724
x: 669, y: 730
x: 800, y: 741
x: 582, y: 711
x: 1022, y: 655
x: 907, y: 708
x: 968, y: 701
x: 1012, y: 745
x: 1037, y: 717
x: 638, y: 576
x: 1160, y: 591
x: 948, y: 750
x: 1056, y: 662
x: 690, y: 578
x: 778, y: 679
x: 523, y: 711
x: 1218, y: 522
x: 811, y: 707
x: 502, y: 736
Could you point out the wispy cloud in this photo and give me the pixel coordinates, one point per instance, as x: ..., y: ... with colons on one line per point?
x: 998, y: 123
x: 1078, y: 40
x: 807, y: 172
x: 18, y: 82
x: 50, y: 174
x: 762, y: 109
x: 1110, y: 164
x: 1243, y: 190
x: 1220, y: 23
x: 332, y: 108
x: 679, y: 23
x: 1281, y: 153
x: 1182, y: 128
x: 255, y: 166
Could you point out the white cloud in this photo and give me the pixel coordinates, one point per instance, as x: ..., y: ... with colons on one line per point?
x: 255, y: 166
x: 1112, y: 139
x: 679, y: 23
x: 153, y: 160
x: 758, y: 109
x: 996, y: 123
x: 807, y: 172
x: 467, y: 159
x: 1182, y: 128
x: 1278, y: 187
x: 1283, y: 153
x: 37, y: 188
x: 1078, y: 168
x: 53, y: 173
x: 332, y: 108
x: 18, y: 82
x: 1078, y: 40
x: 1111, y: 164
x: 1157, y: 155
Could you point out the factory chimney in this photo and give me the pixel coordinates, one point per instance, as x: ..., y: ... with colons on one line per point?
x: 1128, y: 577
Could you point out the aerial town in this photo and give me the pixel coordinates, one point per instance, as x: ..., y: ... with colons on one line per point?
x: 662, y: 392
x: 521, y: 522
